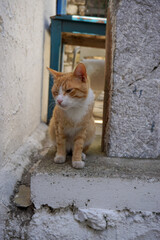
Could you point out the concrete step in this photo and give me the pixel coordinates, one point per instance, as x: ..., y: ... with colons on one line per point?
x: 104, y: 183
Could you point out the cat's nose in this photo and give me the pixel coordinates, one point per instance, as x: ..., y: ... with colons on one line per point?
x: 59, y: 101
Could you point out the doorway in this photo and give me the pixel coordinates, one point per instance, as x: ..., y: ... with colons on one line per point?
x: 94, y: 60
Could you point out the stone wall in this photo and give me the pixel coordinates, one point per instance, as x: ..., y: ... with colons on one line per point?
x: 74, y: 7
x: 134, y: 129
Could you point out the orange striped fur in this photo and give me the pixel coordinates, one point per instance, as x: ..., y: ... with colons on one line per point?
x: 72, y: 125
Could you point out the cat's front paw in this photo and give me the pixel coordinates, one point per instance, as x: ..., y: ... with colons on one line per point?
x: 59, y: 159
x: 78, y: 164
x: 83, y: 156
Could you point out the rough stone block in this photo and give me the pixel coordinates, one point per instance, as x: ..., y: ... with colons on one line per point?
x: 94, y: 218
x: 134, y: 121
x: 81, y: 10
x: 22, y: 198
x: 72, y: 9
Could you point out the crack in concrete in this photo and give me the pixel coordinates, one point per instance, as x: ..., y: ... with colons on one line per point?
x: 1, y: 24
x: 141, y: 78
x: 155, y: 68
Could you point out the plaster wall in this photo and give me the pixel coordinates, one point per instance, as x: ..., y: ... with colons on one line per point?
x: 94, y: 224
x: 22, y: 31
x: 82, y: 224
x: 135, y: 120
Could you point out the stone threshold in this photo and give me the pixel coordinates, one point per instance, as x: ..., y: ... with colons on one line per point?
x: 104, y: 183
x: 108, y: 196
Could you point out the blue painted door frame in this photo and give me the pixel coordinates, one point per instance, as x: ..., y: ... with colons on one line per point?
x: 72, y: 24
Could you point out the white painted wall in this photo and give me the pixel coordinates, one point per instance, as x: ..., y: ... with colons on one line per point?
x: 23, y: 26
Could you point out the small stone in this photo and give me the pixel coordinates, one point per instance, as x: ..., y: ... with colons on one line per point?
x: 72, y: 9
x: 80, y: 2
x: 69, y: 48
x: 44, y: 151
x: 93, y: 218
x: 82, y: 10
x: 23, y: 197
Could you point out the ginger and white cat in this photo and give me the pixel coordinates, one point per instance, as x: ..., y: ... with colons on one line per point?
x: 72, y: 125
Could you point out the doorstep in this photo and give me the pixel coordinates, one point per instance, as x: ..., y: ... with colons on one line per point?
x: 104, y: 183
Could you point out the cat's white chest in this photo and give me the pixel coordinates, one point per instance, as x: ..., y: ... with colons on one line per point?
x: 77, y: 114
x: 71, y: 132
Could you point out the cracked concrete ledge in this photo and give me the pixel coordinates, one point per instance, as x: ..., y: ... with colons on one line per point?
x: 111, y: 198
x: 107, y: 183
x: 75, y: 224
x: 14, y: 168
x: 95, y: 192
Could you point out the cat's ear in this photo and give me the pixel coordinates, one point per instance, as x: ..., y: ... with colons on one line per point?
x: 54, y: 73
x: 80, y: 72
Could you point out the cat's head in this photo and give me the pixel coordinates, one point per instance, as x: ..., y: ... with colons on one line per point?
x: 70, y: 89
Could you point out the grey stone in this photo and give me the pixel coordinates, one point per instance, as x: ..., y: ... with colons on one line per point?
x: 94, y: 218
x: 23, y: 197
x: 135, y: 109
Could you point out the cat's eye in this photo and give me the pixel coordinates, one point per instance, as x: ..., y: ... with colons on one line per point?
x: 69, y: 90
x: 55, y: 92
